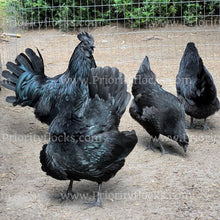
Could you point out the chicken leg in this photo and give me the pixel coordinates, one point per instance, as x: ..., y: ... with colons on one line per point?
x: 97, y: 201
x: 151, y: 145
x: 68, y: 194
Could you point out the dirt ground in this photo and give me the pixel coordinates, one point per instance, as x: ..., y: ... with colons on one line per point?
x: 175, y: 186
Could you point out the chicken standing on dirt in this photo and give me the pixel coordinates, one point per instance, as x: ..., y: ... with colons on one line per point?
x: 158, y: 111
x: 33, y: 88
x: 85, y: 140
x: 195, y: 86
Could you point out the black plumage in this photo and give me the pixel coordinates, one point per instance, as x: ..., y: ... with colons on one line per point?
x: 33, y: 88
x: 158, y: 111
x: 85, y: 140
x: 195, y: 86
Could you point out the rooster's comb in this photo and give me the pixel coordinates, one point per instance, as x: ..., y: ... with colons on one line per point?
x: 84, y: 36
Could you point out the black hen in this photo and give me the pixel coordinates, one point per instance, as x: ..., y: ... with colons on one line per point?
x: 33, y: 88
x: 158, y: 111
x: 85, y: 140
x: 195, y: 86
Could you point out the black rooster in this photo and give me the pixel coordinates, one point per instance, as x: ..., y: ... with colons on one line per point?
x: 33, y: 88
x: 195, y: 86
x: 158, y: 111
x: 85, y: 140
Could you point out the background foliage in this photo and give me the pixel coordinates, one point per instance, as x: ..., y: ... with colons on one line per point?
x: 2, y: 12
x: 74, y: 13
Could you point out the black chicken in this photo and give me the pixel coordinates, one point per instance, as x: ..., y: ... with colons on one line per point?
x: 195, y: 86
x: 33, y: 88
x: 85, y: 140
x: 158, y: 111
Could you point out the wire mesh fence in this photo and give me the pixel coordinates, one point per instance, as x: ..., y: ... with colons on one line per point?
x: 124, y: 31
